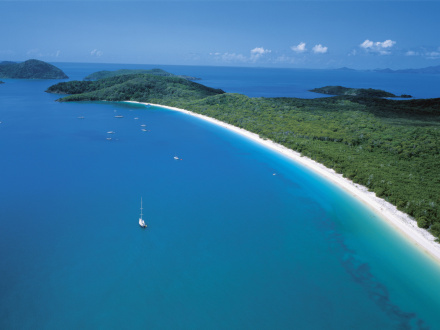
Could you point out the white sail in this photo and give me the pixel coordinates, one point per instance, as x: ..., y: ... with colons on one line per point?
x: 141, y: 221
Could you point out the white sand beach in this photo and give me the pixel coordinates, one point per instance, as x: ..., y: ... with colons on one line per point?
x: 388, y: 212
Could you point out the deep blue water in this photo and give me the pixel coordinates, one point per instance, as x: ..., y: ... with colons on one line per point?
x: 228, y: 245
x: 274, y: 82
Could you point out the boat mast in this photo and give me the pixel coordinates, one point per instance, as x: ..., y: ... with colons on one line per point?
x: 141, y: 208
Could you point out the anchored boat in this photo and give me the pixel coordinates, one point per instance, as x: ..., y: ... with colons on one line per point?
x: 141, y: 221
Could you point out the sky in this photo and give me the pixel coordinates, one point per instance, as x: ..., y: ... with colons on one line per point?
x: 291, y: 34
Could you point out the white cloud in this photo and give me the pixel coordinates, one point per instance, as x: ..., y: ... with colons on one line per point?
x: 320, y: 49
x: 367, y: 44
x: 379, y: 47
x: 260, y: 51
x: 257, y: 52
x: 386, y: 44
x: 96, y: 53
x: 300, y: 48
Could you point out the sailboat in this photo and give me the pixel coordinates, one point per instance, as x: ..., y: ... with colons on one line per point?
x: 141, y: 221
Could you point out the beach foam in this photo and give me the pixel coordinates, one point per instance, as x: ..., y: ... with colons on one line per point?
x: 388, y: 212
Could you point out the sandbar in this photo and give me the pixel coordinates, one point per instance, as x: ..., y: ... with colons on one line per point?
x: 385, y: 210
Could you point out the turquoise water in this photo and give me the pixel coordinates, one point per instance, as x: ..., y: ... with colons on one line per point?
x: 228, y: 245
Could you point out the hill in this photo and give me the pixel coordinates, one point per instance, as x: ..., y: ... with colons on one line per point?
x: 361, y: 92
x: 392, y: 147
x: 30, y: 69
x: 344, y: 68
x: 157, y: 72
x: 139, y: 87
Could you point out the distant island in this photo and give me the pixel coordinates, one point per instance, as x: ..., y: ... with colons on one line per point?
x: 425, y: 70
x: 361, y: 92
x: 157, y: 72
x: 345, y: 69
x: 392, y: 147
x: 30, y: 69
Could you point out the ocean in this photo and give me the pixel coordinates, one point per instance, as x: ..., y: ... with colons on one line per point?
x: 229, y: 245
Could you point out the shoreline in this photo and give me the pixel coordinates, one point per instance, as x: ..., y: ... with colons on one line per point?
x: 399, y: 220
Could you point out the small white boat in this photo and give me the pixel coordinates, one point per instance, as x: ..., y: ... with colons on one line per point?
x: 108, y: 139
x: 143, y: 125
x: 176, y: 158
x: 143, y: 130
x: 111, y: 132
x: 136, y: 118
x: 119, y: 116
x: 141, y: 221
x: 80, y: 117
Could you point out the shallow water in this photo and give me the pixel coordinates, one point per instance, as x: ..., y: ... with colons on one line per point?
x: 228, y: 244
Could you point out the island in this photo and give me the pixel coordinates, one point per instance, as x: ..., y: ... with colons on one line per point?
x: 361, y: 92
x: 391, y: 147
x: 157, y: 72
x: 145, y: 87
x: 2, y: 82
x: 30, y: 69
x: 426, y: 70
x: 344, y: 68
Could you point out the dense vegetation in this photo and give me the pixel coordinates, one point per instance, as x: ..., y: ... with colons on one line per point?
x: 30, y: 69
x: 140, y: 87
x: 390, y: 146
x: 362, y: 92
x: 157, y: 72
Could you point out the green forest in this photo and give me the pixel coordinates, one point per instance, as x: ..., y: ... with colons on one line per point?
x: 133, y: 87
x: 390, y: 146
x: 363, y: 92
x: 157, y: 72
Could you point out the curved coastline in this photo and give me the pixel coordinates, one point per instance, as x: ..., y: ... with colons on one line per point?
x: 420, y: 237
